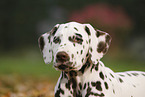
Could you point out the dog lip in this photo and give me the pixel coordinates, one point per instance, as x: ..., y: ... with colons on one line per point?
x: 66, y: 66
x: 65, y: 63
x: 62, y: 67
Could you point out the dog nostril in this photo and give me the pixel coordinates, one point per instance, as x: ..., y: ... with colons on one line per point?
x: 62, y: 56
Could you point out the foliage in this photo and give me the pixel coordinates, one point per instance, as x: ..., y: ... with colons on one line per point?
x: 111, y: 19
x: 18, y: 86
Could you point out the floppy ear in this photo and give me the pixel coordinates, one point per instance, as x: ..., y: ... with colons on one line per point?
x: 99, y: 42
x: 45, y: 44
x: 45, y: 47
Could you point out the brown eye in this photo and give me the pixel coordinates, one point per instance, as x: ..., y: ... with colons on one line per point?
x: 76, y: 39
x: 56, y: 40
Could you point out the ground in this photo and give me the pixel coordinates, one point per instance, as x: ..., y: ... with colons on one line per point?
x: 20, y: 86
x: 26, y: 75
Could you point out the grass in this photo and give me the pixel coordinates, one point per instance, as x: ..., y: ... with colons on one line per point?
x: 24, y: 74
x: 30, y: 63
x: 26, y: 64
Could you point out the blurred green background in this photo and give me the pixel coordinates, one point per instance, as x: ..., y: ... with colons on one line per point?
x: 23, y: 21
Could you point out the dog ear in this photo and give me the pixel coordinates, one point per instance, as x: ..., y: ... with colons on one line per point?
x: 99, y: 42
x: 45, y: 47
x: 45, y: 44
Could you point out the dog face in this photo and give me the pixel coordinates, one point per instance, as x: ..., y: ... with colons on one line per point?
x: 70, y: 44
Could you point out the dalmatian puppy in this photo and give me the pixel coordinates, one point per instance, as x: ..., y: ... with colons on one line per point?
x: 76, y: 50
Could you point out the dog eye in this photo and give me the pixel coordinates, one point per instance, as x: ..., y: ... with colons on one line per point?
x: 56, y: 40
x: 76, y: 39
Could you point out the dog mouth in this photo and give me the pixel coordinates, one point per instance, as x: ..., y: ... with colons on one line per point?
x: 65, y: 66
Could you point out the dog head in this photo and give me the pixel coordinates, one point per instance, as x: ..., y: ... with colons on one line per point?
x: 69, y: 45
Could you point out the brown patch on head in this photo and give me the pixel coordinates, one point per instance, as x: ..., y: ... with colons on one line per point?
x: 41, y: 43
x: 102, y: 47
x: 108, y: 39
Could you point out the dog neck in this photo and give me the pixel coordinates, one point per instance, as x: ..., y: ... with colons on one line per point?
x: 77, y: 77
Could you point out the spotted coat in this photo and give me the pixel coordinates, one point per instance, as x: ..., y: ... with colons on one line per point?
x: 76, y: 50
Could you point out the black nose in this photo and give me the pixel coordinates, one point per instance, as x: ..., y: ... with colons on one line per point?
x: 62, y: 57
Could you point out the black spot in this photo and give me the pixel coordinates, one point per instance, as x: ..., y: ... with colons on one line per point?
x: 135, y: 74
x: 143, y: 74
x: 62, y: 74
x: 111, y: 75
x: 101, y: 75
x: 106, y: 85
x: 92, y: 67
x: 57, y: 94
x: 74, y: 44
x: 66, y: 27
x: 89, y: 40
x: 82, y: 60
x: 113, y: 91
x: 88, y: 90
x: 133, y: 85
x: 78, y: 35
x: 75, y: 28
x: 49, y: 37
x: 71, y: 92
x: 84, y: 86
x: 69, y: 38
x: 77, y: 52
x: 120, y: 80
x: 87, y: 54
x: 81, y: 51
x: 98, y: 86
x: 91, y: 49
x: 86, y: 41
x: 88, y: 84
x: 67, y: 85
x: 122, y: 75
x: 93, y: 84
x: 54, y: 31
x: 98, y: 95
x: 87, y: 30
x: 72, y: 55
x: 41, y: 43
x: 83, y: 46
x: 86, y: 65
x: 102, y: 94
x: 80, y: 85
x: 99, y: 33
x: 96, y: 66
x: 128, y: 74
x: 83, y: 68
x: 102, y: 47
